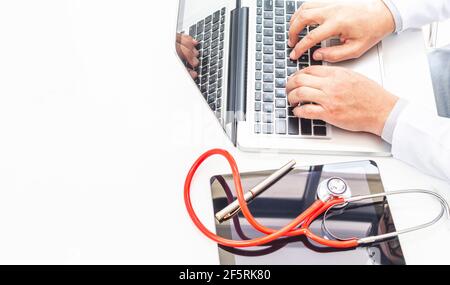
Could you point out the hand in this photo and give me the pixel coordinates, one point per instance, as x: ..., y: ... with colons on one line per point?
x: 343, y: 98
x: 360, y: 25
x: 186, y: 49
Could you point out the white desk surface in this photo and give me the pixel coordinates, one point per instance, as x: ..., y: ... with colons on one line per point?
x: 99, y: 125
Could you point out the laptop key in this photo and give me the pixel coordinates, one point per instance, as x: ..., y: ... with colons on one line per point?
x: 306, y: 127
x: 268, y: 24
x: 279, y: 38
x: 268, y: 59
x: 200, y: 27
x: 279, y: 46
x: 280, y: 114
x: 268, y: 77
x: 268, y: 108
x: 304, y: 58
x: 280, y: 127
x: 215, y: 27
x: 280, y: 93
x: 258, y: 46
x: 319, y: 122
x: 280, y: 64
x: 290, y: 7
x: 280, y: 55
x: 258, y: 106
x: 268, y: 32
x: 216, y: 17
x: 267, y: 129
x: 211, y: 98
x: 258, y: 65
x: 280, y: 73
x: 268, y: 68
x: 293, y: 126
x: 291, y: 63
x: 268, y: 15
x: 257, y: 117
x: 279, y: 20
x: 268, y: 87
x: 320, y: 131
x: 268, y: 5
x: 268, y: 41
x: 279, y: 12
x: 280, y: 103
x: 268, y: 49
x: 259, y: 38
x: 193, y: 31
x: 302, y: 66
x: 268, y: 97
x: 279, y: 29
x: 267, y: 118
x: 280, y: 83
x: 257, y: 128
x: 291, y: 111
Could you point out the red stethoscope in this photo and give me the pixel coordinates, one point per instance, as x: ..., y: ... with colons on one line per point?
x: 336, y: 196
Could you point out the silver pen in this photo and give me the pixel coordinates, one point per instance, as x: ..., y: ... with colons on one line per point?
x: 232, y: 209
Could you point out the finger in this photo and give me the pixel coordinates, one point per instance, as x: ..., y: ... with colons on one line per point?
x: 306, y: 6
x: 349, y: 50
x: 188, y: 55
x: 193, y: 73
x: 303, y: 79
x: 299, y: 23
x: 314, y: 37
x: 306, y: 94
x: 187, y: 41
x: 310, y: 111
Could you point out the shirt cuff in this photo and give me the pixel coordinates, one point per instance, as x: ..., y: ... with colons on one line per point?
x: 391, y: 122
x: 396, y: 14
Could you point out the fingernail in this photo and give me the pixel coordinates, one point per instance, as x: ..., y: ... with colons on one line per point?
x: 289, y: 43
x: 318, y: 56
x: 196, y: 61
x: 293, y: 54
x: 194, y: 41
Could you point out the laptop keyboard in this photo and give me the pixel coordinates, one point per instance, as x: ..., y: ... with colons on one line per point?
x: 273, y: 115
x: 210, y: 33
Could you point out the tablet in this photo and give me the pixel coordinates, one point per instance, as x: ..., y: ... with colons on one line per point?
x: 290, y: 196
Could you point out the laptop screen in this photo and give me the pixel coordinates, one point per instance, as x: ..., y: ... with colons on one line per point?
x: 290, y: 196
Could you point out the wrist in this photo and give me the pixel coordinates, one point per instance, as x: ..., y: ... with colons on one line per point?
x: 385, y: 18
x: 382, y: 114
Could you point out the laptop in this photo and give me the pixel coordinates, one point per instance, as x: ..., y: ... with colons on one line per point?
x: 243, y: 70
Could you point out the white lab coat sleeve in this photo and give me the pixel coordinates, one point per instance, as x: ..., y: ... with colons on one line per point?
x: 422, y: 140
x: 417, y: 13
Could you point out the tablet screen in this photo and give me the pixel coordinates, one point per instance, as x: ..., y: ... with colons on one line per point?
x: 293, y: 194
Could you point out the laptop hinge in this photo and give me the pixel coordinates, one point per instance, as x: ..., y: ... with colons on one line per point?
x: 237, y: 83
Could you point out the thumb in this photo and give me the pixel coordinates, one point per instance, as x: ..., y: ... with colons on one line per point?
x: 349, y: 50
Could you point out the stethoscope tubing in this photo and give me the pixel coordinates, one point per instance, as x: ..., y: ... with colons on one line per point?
x: 303, y: 220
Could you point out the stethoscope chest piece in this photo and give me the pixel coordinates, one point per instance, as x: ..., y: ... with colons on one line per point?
x: 333, y: 187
